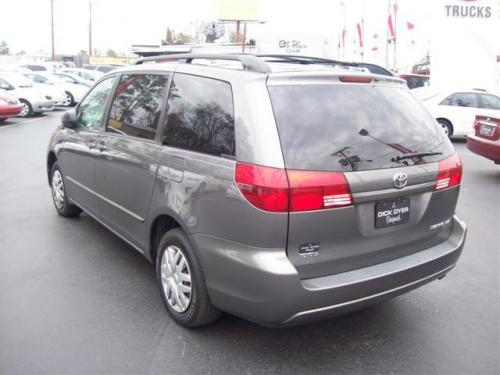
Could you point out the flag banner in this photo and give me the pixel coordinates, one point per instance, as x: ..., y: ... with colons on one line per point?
x: 390, y: 24
x: 360, y: 34
x: 410, y: 25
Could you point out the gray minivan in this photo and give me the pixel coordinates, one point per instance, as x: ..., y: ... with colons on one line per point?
x: 278, y: 190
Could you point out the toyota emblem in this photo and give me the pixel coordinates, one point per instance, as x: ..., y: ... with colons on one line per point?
x: 400, y: 180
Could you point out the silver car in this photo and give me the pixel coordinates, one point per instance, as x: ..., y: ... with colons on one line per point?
x: 34, y: 99
x: 281, y: 190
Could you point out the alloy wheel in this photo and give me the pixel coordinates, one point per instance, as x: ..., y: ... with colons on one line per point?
x: 58, y: 189
x: 67, y: 100
x: 25, y: 110
x: 176, y: 278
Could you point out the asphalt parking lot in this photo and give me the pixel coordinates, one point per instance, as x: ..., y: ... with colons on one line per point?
x: 76, y: 299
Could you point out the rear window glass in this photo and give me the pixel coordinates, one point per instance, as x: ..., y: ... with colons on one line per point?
x: 353, y: 127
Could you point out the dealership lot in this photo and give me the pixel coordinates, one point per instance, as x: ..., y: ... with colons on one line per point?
x: 76, y: 299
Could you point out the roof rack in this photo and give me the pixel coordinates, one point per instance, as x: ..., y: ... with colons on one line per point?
x: 248, y: 62
x: 377, y: 69
x: 259, y: 63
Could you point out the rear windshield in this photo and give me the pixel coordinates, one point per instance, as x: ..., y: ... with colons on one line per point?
x: 344, y: 127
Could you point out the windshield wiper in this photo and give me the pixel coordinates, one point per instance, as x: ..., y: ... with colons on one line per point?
x: 412, y: 155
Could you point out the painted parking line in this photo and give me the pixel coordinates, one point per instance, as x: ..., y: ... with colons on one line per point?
x: 53, y: 114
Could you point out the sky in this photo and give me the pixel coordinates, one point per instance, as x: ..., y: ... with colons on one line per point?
x: 119, y: 24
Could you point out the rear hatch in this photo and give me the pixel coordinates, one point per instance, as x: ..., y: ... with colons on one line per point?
x: 362, y: 193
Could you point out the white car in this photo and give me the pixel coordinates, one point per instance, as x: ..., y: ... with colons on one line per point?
x: 33, y: 99
x: 73, y: 78
x: 89, y: 75
x: 64, y: 93
x: 456, y: 110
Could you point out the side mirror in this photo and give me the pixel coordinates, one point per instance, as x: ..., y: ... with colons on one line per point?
x: 69, y: 119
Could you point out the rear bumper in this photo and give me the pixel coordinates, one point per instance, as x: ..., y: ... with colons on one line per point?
x: 263, y: 286
x: 484, y: 147
x: 42, y: 105
x: 10, y: 111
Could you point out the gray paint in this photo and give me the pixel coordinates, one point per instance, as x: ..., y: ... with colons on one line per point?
x: 250, y: 256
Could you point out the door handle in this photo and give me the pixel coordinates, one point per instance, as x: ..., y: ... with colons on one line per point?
x: 97, y: 146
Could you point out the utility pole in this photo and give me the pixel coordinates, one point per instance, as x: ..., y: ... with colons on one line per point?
x: 90, y: 27
x: 244, y: 37
x: 52, y: 29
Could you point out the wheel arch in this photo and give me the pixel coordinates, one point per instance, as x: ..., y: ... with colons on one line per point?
x: 51, y: 159
x: 162, y: 223
x: 444, y: 119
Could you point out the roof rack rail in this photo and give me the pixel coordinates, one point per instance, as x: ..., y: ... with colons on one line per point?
x: 301, y: 59
x: 248, y: 62
x: 297, y: 59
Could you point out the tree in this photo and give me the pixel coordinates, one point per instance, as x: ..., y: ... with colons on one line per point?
x: 181, y: 38
x: 21, y: 53
x: 4, y: 48
x: 111, y: 53
x: 169, y: 38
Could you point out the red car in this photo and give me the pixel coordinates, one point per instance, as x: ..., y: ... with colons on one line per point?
x: 486, y: 138
x: 9, y: 106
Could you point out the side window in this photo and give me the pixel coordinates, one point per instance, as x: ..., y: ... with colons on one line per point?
x: 91, y: 109
x: 490, y: 101
x: 447, y: 101
x: 66, y: 78
x: 137, y: 105
x: 37, y: 78
x: 200, y: 115
x: 464, y: 99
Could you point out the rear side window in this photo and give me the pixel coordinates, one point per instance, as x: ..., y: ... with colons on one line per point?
x: 490, y: 101
x: 200, y: 115
x: 137, y: 105
x: 353, y: 127
x: 461, y: 99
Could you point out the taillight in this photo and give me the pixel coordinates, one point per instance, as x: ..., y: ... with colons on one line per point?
x: 279, y: 190
x: 266, y: 188
x: 450, y: 173
x: 318, y: 190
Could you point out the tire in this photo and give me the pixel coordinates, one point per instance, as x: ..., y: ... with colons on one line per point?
x: 59, y: 196
x: 69, y: 100
x: 447, y: 127
x: 27, y: 108
x: 196, y: 309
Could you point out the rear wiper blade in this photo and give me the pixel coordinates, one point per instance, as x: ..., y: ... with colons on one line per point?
x: 412, y: 155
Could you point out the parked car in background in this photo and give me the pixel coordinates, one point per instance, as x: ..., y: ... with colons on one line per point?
x: 276, y: 192
x: 106, y: 68
x: 89, y: 66
x: 35, y: 67
x: 49, y: 87
x: 9, y: 106
x: 64, y: 93
x: 414, y: 81
x: 73, y: 78
x: 33, y: 99
x: 86, y: 74
x: 456, y: 110
x: 485, y: 140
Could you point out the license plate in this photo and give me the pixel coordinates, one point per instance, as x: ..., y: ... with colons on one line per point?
x: 486, y: 130
x: 392, y: 212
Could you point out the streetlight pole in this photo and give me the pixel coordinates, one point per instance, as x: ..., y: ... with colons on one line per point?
x: 90, y: 27
x: 52, y: 29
